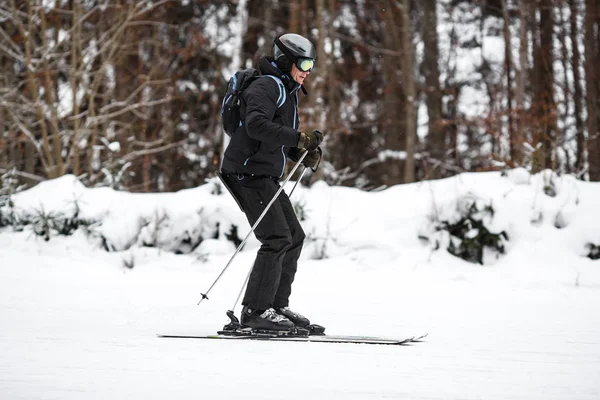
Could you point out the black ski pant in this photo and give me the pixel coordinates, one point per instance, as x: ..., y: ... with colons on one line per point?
x: 280, y: 235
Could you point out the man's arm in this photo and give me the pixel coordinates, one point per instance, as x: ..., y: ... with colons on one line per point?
x: 261, y: 104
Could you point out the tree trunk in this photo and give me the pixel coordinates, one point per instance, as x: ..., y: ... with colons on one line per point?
x: 75, y: 47
x: 591, y: 71
x: 51, y: 103
x: 545, y: 109
x: 320, y: 79
x: 32, y: 85
x: 332, y: 84
x: 393, y: 106
x: 317, y: 81
x: 294, y: 23
x: 304, y: 18
x: 546, y: 42
x: 508, y: 66
x: 521, y: 75
x: 256, y: 30
x: 408, y: 73
x: 562, y: 135
x: 577, y: 92
x: 431, y: 71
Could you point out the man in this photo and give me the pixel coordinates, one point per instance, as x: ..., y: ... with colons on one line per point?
x: 253, y: 163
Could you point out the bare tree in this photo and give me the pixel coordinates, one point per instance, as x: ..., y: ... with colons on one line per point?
x: 332, y: 84
x: 592, y: 58
x: 295, y: 15
x: 59, y: 59
x: 132, y: 89
x: 431, y: 72
x: 393, y: 92
x: 577, y: 91
x: 408, y: 74
x: 508, y: 67
x: 522, y: 75
x: 544, y: 105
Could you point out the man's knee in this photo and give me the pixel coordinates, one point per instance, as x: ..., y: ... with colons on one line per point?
x: 300, y: 236
x: 281, y: 243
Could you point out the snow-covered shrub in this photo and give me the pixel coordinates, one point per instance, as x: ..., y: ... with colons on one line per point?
x: 45, y: 223
x: 300, y: 210
x: 7, y: 212
x: 560, y: 220
x: 321, y: 243
x: 550, y: 184
x: 319, y: 248
x: 217, y: 187
x: 213, y: 247
x: 5, y: 218
x: 114, y: 220
x: 8, y: 187
x: 168, y: 232
x: 232, y: 236
x: 518, y: 176
x: 128, y: 261
x: 593, y: 251
x: 466, y: 230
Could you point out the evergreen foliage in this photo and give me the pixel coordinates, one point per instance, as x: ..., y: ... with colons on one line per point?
x: 469, y: 231
x: 233, y: 237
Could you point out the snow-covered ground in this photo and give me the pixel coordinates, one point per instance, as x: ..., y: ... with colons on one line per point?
x: 76, y: 324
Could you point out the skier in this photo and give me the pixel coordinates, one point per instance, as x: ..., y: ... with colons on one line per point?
x: 253, y: 163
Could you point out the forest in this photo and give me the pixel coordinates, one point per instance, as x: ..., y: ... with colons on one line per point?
x: 127, y: 94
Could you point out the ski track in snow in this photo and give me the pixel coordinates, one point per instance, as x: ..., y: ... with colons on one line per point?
x: 79, y: 326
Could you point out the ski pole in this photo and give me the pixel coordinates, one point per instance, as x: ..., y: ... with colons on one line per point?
x: 205, y: 295
x: 299, y: 179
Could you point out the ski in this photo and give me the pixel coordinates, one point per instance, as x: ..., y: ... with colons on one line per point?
x: 298, y: 338
x: 311, y: 333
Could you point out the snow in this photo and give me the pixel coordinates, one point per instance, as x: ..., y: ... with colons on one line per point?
x: 77, y: 323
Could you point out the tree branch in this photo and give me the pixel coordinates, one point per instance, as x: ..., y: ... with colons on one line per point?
x: 101, y: 118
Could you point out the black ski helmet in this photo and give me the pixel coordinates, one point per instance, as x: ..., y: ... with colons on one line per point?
x: 288, y: 48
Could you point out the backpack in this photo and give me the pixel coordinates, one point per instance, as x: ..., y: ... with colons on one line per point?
x: 230, y: 107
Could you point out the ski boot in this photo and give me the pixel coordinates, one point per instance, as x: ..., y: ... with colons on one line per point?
x: 300, y: 321
x: 267, y: 320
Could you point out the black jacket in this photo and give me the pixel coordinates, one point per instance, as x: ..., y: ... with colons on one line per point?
x: 269, y: 132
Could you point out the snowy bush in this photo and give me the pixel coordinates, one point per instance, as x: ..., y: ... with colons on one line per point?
x: 550, y: 183
x: 217, y: 187
x: 179, y: 234
x: 232, y: 236
x: 518, y: 176
x: 8, y: 187
x: 465, y: 229
x: 470, y: 216
x: 115, y: 220
x: 43, y: 223
x: 300, y: 210
x: 7, y: 214
x: 47, y: 223
x: 593, y: 251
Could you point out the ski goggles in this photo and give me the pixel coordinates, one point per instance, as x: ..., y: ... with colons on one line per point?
x: 305, y: 64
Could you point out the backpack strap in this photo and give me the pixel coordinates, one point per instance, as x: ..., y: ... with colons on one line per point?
x: 282, y: 91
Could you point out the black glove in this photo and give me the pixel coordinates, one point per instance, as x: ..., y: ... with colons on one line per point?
x: 312, y: 159
x: 310, y: 141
